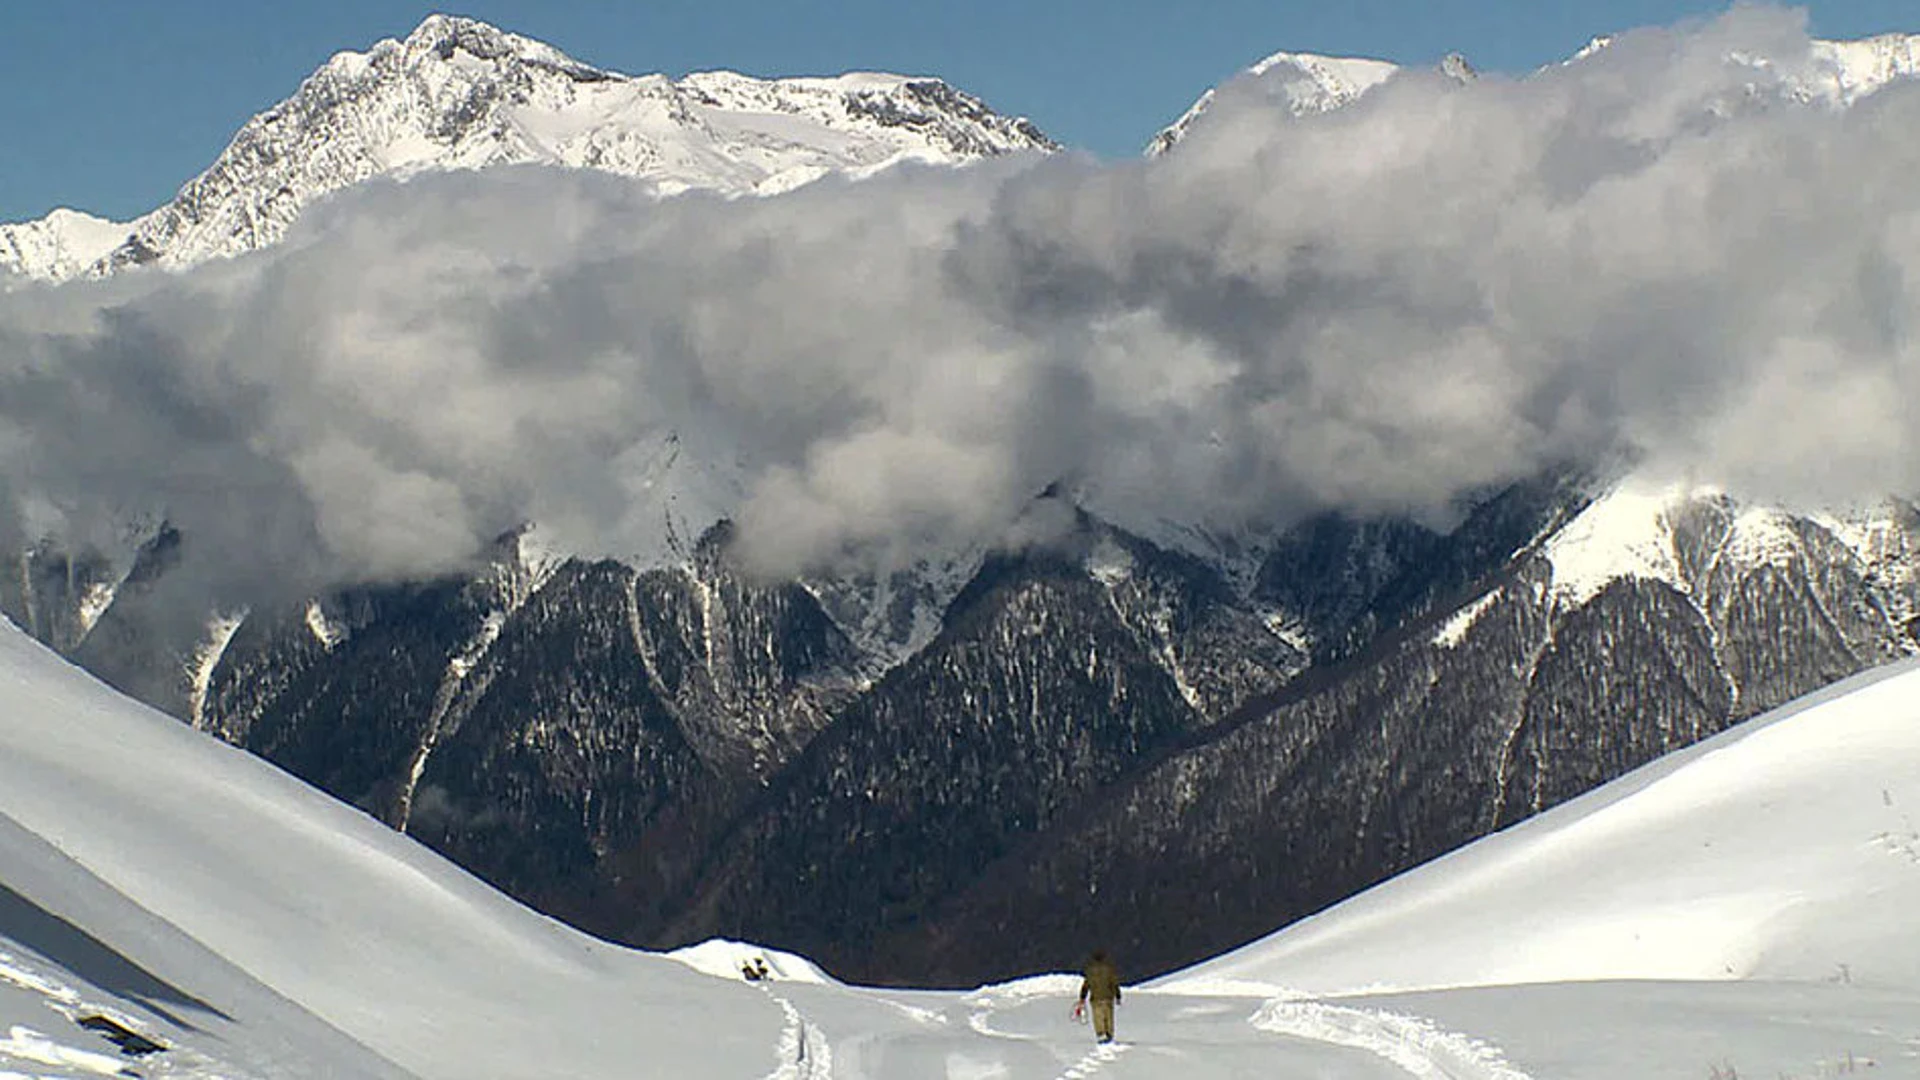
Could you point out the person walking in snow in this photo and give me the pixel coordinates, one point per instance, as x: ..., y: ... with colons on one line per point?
x: 1101, y: 986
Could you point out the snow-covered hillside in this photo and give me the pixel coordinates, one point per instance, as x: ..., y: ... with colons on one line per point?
x: 1767, y: 874
x: 1785, y: 849
x: 460, y: 94
x: 157, y: 883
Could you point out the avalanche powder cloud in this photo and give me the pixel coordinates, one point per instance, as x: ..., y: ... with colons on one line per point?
x: 1656, y: 251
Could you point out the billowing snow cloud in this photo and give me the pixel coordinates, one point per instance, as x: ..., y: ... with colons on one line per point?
x: 1657, y: 250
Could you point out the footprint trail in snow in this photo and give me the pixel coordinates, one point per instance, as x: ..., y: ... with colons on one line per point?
x: 1094, y: 1059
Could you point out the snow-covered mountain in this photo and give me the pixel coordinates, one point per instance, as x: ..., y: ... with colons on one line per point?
x: 1836, y: 72
x: 1850, y: 70
x: 658, y: 754
x: 460, y: 94
x: 61, y: 245
x: 172, y: 908
x: 1302, y: 83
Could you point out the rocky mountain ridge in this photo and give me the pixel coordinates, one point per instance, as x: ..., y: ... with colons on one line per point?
x: 664, y: 754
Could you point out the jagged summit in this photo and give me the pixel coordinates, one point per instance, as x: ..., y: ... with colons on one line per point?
x: 457, y: 93
x: 441, y: 35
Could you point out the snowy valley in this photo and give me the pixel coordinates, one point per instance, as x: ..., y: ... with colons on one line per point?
x: 1741, y: 907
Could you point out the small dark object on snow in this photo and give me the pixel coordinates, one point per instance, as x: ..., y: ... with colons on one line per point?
x: 756, y: 969
x: 130, y: 1042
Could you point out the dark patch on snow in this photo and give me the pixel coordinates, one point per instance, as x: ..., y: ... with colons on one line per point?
x: 130, y: 1042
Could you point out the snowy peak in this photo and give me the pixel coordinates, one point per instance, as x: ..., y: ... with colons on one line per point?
x: 442, y: 36
x: 1701, y: 540
x: 1625, y: 533
x: 460, y: 94
x: 1850, y: 70
x: 59, y: 245
x: 1303, y: 83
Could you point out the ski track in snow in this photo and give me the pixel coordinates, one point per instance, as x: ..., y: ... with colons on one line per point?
x: 1418, y: 1045
x: 981, y: 1021
x: 804, y: 1053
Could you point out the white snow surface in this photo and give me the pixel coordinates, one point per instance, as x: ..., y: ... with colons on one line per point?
x: 1454, y: 630
x: 60, y: 245
x: 1850, y: 70
x: 1743, y: 905
x: 724, y: 959
x: 457, y: 93
x: 1628, y: 531
x: 1622, y: 534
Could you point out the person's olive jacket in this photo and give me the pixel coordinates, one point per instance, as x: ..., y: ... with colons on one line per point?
x: 1102, y: 982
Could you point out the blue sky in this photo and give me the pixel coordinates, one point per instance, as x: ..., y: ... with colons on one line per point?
x: 109, y: 105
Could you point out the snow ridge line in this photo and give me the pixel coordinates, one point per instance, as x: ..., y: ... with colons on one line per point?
x: 1413, y: 1043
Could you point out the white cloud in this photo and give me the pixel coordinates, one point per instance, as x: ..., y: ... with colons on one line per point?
x: 1438, y: 288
